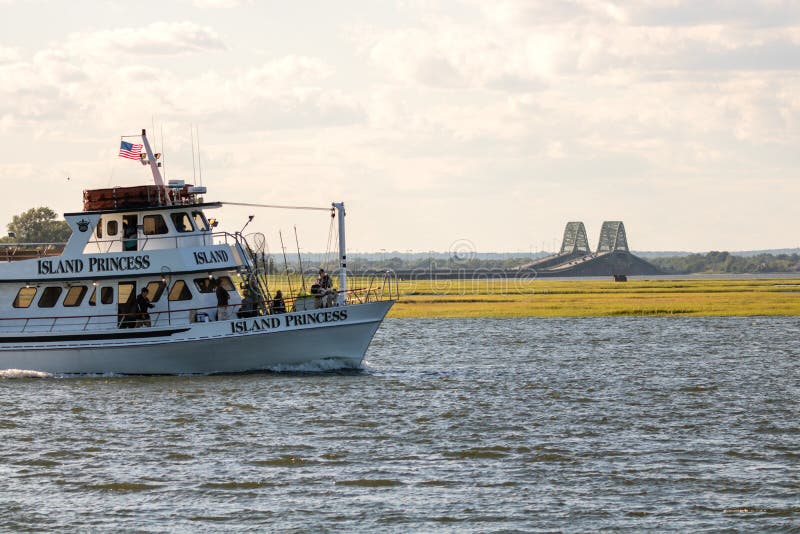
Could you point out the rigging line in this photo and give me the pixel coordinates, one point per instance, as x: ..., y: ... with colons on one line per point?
x: 194, y: 171
x: 276, y: 206
x: 163, y: 153
x: 327, y: 261
x: 199, y: 161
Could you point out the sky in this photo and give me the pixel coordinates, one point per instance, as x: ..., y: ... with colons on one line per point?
x: 442, y: 124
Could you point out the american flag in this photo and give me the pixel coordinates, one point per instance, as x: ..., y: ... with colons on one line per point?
x: 129, y: 150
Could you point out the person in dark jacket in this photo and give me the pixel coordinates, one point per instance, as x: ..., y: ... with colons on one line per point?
x: 142, y: 307
x: 278, y: 305
x: 222, y: 301
x: 249, y: 306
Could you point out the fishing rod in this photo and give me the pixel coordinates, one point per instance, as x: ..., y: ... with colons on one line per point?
x: 286, y: 264
x: 300, y: 261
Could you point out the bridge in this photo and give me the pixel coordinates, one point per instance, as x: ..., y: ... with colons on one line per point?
x: 611, y: 258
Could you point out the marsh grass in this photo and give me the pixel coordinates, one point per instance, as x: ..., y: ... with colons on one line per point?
x: 583, y: 298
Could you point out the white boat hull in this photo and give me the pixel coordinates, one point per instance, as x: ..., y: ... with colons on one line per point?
x: 342, y: 334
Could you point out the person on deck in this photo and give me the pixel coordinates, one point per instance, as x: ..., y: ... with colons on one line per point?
x: 249, y: 306
x: 142, y: 307
x: 324, y: 281
x: 129, y: 236
x: 222, y: 301
x: 326, y: 293
x: 278, y: 305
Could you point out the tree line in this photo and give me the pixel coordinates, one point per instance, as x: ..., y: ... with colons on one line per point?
x: 37, y: 225
x: 41, y: 225
x: 716, y: 262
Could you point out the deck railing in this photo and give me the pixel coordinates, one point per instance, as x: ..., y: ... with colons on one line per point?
x: 28, y: 251
x: 170, y: 317
x: 157, y: 242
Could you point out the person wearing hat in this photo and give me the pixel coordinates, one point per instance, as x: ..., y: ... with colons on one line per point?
x: 324, y: 281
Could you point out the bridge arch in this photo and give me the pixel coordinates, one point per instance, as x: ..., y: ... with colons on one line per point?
x: 575, y: 240
x: 613, y: 238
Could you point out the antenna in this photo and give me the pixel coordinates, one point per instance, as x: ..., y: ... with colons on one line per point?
x: 194, y: 172
x: 300, y: 261
x: 199, y: 162
x: 163, y: 153
x: 249, y: 220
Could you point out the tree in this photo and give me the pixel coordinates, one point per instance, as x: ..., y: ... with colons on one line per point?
x: 38, y: 225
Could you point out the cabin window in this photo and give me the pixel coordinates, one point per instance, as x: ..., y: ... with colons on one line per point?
x: 155, y: 290
x: 24, y: 297
x: 205, y: 285
x: 112, y: 227
x: 106, y: 296
x: 154, y: 225
x: 180, y: 291
x: 182, y: 222
x: 226, y: 283
x: 200, y: 220
x: 75, y: 296
x: 99, y: 229
x: 49, y: 297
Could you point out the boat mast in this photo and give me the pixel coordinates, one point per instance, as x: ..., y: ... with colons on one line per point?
x: 341, y: 298
x: 152, y: 159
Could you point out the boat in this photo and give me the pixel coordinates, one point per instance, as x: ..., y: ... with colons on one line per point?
x: 72, y: 309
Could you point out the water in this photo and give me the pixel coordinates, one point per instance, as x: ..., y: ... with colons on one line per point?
x: 455, y: 425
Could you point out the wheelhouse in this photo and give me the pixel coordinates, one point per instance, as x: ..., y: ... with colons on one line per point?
x: 126, y: 240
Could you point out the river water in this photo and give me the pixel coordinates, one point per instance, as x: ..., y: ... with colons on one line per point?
x: 454, y: 425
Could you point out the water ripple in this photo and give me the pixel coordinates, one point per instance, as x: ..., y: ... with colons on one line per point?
x: 508, y: 425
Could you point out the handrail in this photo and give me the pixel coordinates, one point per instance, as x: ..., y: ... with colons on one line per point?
x: 158, y: 237
x: 49, y: 323
x: 27, y: 251
x: 33, y: 244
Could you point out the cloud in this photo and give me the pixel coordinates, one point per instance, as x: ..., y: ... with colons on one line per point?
x: 444, y: 54
x: 218, y: 4
x: 288, y: 70
x: 742, y: 13
x: 156, y: 39
x: 84, y: 75
x: 9, y: 54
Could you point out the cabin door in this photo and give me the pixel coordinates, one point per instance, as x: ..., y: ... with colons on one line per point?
x: 126, y: 304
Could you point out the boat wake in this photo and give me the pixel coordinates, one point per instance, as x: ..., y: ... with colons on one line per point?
x: 325, y: 365
x: 317, y: 366
x: 23, y: 373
